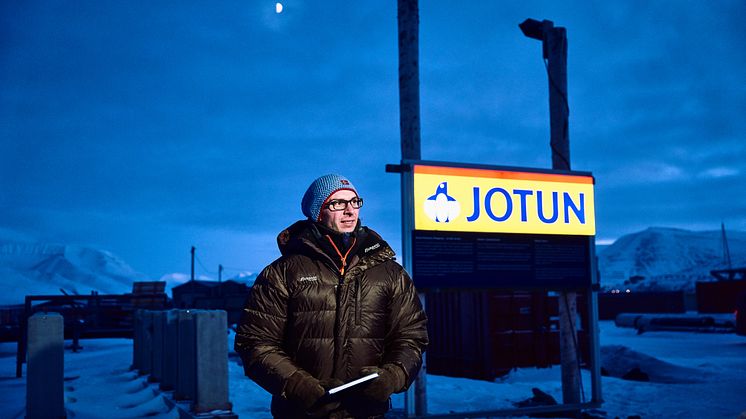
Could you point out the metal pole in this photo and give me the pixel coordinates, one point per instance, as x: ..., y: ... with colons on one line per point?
x: 593, y: 329
x: 409, y: 124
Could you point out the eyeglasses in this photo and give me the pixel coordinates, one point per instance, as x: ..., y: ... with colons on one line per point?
x: 341, y: 204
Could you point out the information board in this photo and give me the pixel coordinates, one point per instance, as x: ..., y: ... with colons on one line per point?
x: 477, y: 227
x: 494, y: 260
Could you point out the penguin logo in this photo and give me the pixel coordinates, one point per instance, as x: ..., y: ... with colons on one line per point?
x: 442, y: 207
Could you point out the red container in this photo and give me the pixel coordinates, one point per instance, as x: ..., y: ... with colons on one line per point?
x: 720, y: 296
x: 485, y: 334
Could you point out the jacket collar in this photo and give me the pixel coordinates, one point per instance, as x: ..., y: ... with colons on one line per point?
x: 303, y: 237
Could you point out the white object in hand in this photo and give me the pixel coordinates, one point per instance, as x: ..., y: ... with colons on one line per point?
x: 353, y: 383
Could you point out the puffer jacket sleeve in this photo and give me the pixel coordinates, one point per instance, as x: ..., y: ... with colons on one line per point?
x: 259, y: 334
x: 407, y: 337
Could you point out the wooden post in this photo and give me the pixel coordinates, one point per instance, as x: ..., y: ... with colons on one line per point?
x: 409, y: 123
x: 556, y: 48
x: 409, y: 79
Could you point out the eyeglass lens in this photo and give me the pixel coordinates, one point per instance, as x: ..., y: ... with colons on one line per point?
x: 340, y: 204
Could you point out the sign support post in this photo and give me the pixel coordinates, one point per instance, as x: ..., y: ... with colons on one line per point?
x: 415, y: 401
x: 554, y: 49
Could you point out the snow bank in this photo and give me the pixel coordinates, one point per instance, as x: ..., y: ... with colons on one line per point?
x: 623, y: 362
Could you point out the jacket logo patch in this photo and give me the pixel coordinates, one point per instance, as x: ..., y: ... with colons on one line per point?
x: 310, y: 278
x: 374, y: 247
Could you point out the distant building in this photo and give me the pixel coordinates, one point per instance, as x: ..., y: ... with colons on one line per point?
x: 226, y: 295
x: 149, y: 295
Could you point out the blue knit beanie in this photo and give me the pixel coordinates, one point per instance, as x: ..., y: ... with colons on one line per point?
x: 320, y: 190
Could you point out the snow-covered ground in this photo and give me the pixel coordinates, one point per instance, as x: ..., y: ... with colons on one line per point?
x: 691, y: 376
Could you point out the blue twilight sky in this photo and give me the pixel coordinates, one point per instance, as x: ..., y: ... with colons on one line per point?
x: 147, y: 127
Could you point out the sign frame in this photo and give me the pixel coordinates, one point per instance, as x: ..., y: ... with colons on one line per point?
x: 409, y: 230
x: 405, y: 168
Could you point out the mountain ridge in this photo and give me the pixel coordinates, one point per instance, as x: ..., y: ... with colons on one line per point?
x: 667, y: 259
x: 654, y: 259
x: 50, y: 269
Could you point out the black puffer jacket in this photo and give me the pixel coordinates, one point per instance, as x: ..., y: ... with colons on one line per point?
x: 304, y: 314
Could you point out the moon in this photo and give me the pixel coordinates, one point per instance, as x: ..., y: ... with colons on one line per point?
x: 278, y: 7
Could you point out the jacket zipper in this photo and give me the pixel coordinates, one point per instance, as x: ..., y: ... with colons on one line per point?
x: 342, y: 258
x: 337, y: 343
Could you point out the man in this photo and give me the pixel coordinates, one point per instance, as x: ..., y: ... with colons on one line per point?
x: 334, y: 307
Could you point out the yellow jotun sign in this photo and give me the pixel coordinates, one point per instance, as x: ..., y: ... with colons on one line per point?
x: 501, y: 201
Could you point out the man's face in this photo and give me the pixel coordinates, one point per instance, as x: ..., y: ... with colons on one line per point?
x: 343, y: 221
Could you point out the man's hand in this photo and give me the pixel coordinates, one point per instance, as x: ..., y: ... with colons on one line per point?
x: 331, y: 383
x: 302, y: 388
x: 390, y: 379
x: 308, y: 392
x: 325, y: 404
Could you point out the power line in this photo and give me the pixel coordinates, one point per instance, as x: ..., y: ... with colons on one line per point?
x: 206, y: 270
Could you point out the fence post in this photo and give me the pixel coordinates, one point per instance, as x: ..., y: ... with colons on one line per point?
x: 185, y: 385
x: 45, y: 367
x: 211, y: 351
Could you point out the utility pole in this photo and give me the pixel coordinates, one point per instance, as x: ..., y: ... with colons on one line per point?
x: 726, y: 250
x: 409, y: 78
x: 408, y: 19
x: 220, y: 281
x: 192, y: 277
x: 554, y: 49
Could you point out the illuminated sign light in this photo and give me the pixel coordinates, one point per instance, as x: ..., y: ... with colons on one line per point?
x: 502, y: 201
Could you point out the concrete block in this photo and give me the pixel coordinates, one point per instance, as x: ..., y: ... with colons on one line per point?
x: 146, y: 343
x: 159, y: 335
x: 136, y: 339
x: 212, y: 361
x: 170, y: 346
x: 46, y: 367
x: 185, y: 387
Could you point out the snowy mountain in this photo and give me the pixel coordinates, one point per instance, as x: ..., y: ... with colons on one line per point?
x: 667, y: 259
x: 654, y: 259
x: 45, y: 269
